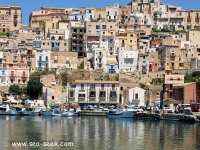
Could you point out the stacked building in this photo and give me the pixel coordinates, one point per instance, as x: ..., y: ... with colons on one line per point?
x: 143, y: 37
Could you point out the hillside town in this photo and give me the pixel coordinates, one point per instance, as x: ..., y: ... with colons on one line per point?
x: 141, y: 53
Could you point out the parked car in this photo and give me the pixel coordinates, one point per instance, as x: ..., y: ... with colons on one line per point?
x: 84, y: 108
x: 147, y: 108
x: 90, y: 107
x: 100, y: 107
x: 105, y: 108
x: 169, y: 110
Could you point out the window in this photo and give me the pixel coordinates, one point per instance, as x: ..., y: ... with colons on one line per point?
x: 82, y: 86
x: 113, y: 86
x: 65, y: 44
x: 97, y: 26
x: 89, y: 32
x: 81, y: 95
x: 52, y: 97
x: 90, y: 11
x: 71, y: 93
x: 92, y: 94
x: 113, y: 94
x: 136, y: 95
x: 102, y: 94
x: 104, y: 27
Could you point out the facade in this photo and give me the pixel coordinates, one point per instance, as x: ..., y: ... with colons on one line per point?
x: 37, y: 19
x: 186, y: 93
x: 95, y: 92
x: 64, y: 60
x: 77, y: 40
x: 10, y: 18
x: 43, y: 58
x: 136, y: 96
x: 17, y: 74
x: 127, y: 60
x: 111, y: 64
x: 170, y: 80
x: 99, y: 58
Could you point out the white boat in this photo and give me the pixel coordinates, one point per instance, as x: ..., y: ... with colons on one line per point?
x: 15, y: 110
x: 4, y: 109
x: 120, y: 113
x: 29, y: 112
x: 47, y: 113
x: 69, y: 114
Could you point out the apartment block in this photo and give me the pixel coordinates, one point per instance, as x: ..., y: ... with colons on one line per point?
x: 95, y: 92
x: 127, y: 60
x: 10, y: 18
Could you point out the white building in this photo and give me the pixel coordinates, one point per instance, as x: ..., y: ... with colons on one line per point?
x: 127, y: 60
x: 95, y: 92
x: 112, y: 11
x: 100, y: 58
x: 89, y: 14
x: 136, y: 96
x: 77, y: 16
x: 42, y: 58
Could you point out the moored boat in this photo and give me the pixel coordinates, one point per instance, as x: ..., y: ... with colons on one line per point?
x: 4, y: 109
x: 47, y: 113
x: 120, y: 113
x: 69, y: 114
x: 15, y: 110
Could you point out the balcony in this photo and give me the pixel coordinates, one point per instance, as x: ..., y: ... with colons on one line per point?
x: 71, y: 100
x: 24, y: 75
x: 42, y: 60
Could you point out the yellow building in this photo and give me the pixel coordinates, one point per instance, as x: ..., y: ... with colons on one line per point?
x: 10, y: 18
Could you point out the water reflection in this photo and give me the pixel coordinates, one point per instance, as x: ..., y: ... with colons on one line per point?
x: 100, y: 132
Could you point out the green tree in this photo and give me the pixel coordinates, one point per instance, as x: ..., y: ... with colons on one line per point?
x: 64, y: 78
x: 15, y: 89
x: 34, y: 87
x: 117, y: 77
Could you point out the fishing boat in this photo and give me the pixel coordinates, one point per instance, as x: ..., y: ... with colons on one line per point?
x: 28, y: 112
x: 120, y: 113
x: 69, y: 113
x: 15, y: 110
x: 47, y: 112
x: 4, y: 109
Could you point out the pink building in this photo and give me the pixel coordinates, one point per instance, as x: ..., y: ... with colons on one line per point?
x: 153, y: 66
x: 17, y: 74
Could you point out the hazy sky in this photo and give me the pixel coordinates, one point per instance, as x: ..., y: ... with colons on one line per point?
x: 34, y: 5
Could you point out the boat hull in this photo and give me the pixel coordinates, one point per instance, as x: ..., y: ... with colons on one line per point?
x: 126, y: 114
x: 14, y: 112
x: 47, y: 113
x: 70, y: 114
x: 3, y: 112
x: 28, y: 113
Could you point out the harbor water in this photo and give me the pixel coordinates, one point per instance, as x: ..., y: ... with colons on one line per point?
x: 98, y: 133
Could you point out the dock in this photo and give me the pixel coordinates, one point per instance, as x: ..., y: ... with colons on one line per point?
x: 93, y: 113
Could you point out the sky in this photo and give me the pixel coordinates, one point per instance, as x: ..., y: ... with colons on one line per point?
x: 34, y: 5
